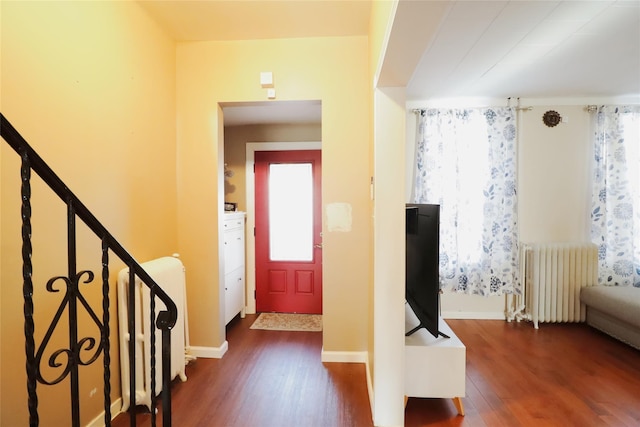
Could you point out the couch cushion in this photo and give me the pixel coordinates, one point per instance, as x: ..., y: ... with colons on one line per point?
x: 622, y: 302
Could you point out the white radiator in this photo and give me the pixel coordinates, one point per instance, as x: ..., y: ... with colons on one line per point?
x: 553, y: 275
x: 169, y: 274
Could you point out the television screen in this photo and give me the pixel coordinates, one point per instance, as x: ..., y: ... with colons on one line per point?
x: 422, y: 288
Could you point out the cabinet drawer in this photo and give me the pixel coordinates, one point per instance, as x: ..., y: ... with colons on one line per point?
x: 233, y: 223
x: 233, y: 294
x: 233, y: 250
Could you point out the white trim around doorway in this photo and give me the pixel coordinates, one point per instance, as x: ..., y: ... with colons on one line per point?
x: 251, y: 148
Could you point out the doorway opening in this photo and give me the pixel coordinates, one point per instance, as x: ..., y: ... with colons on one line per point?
x: 262, y: 126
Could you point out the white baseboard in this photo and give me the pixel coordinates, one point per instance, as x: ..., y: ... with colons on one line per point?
x: 344, y: 356
x: 210, y: 352
x: 115, y: 411
x: 479, y: 315
x: 369, y: 384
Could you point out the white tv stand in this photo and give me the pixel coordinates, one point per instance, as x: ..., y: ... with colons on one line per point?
x: 434, y: 367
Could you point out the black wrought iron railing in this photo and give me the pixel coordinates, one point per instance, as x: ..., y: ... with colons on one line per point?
x: 83, y: 351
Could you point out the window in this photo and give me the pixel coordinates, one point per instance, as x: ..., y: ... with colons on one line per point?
x: 291, y: 212
x: 466, y: 163
x: 615, y: 207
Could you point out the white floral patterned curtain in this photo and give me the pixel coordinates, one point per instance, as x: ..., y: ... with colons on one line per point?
x: 466, y: 161
x: 615, y: 204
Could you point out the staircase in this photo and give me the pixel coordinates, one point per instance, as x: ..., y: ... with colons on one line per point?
x: 82, y: 350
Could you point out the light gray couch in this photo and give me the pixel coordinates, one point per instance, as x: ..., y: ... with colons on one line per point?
x: 615, y: 310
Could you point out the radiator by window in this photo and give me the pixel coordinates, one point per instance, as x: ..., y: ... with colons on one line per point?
x: 553, y: 275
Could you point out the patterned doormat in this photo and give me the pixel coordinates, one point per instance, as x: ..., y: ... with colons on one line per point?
x: 288, y: 322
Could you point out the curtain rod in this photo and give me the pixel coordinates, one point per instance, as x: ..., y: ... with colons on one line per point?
x: 422, y: 110
x: 588, y: 108
x: 518, y: 107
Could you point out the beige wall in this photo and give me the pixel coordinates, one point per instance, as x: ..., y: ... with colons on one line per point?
x: 385, y: 347
x: 91, y: 86
x: 554, y: 176
x: 235, y: 154
x: 330, y: 70
x: 389, y: 256
x: 380, y: 23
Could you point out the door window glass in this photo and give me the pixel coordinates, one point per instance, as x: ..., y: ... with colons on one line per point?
x: 291, y: 212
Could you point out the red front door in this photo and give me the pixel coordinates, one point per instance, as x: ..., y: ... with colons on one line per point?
x: 288, y: 231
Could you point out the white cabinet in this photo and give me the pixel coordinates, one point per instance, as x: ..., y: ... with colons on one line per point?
x: 434, y: 367
x: 234, y: 288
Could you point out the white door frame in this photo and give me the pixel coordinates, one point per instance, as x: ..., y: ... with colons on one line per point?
x: 251, y: 148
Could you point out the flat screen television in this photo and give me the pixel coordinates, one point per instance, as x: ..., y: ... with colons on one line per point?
x: 422, y: 287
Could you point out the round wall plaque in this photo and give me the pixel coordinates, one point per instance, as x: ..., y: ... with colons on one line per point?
x: 551, y: 118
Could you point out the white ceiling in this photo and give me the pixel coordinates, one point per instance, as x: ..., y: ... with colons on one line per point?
x: 274, y: 112
x: 494, y: 48
x: 533, y: 49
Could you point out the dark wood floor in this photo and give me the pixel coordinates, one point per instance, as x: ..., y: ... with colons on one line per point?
x: 270, y: 379
x: 559, y: 375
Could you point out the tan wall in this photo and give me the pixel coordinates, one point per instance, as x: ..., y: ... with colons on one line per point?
x: 382, y: 14
x: 235, y: 154
x: 331, y: 70
x: 91, y: 86
x: 389, y: 253
x: 554, y: 176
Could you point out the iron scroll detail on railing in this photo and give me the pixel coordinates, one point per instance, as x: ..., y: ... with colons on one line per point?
x: 72, y: 292
x: 92, y: 347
